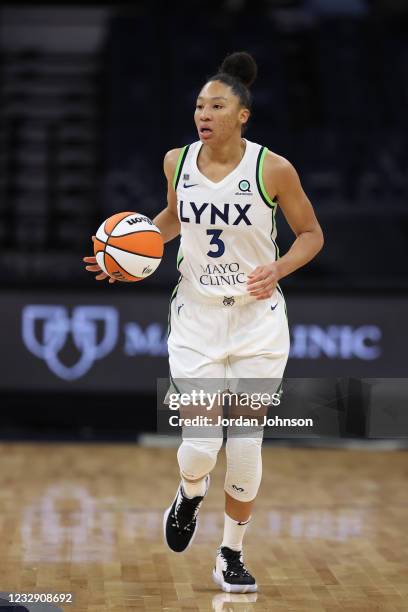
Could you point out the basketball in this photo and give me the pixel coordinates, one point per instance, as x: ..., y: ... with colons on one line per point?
x: 128, y: 246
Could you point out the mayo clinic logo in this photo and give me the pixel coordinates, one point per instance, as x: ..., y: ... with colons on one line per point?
x: 83, y: 327
x: 94, y: 331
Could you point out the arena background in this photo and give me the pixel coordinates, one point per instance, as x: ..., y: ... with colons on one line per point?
x: 93, y: 97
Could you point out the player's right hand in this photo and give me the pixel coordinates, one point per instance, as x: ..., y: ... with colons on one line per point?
x: 95, y: 267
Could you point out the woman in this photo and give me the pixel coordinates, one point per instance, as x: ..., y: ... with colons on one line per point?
x: 228, y: 316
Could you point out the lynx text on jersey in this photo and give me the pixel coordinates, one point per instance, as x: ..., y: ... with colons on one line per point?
x: 209, y: 214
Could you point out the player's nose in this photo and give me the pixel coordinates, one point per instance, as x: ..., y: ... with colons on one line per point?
x: 205, y: 114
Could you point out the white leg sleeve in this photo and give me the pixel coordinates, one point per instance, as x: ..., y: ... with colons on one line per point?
x: 198, y: 456
x: 244, y: 467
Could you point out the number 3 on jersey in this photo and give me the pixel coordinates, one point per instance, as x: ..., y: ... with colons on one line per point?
x: 216, y: 241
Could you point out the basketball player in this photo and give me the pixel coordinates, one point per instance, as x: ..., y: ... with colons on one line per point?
x: 227, y: 313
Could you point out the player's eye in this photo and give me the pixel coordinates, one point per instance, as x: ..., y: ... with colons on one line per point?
x: 217, y: 105
x: 199, y: 106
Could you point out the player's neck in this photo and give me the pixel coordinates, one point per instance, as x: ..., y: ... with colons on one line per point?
x: 231, y: 151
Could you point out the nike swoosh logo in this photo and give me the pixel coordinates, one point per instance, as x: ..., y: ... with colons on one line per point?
x: 192, y: 185
x: 273, y: 307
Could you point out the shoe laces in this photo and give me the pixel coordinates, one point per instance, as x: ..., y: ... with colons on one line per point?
x: 186, y: 510
x: 235, y: 564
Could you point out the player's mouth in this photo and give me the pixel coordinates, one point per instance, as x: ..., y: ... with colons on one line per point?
x: 205, y: 132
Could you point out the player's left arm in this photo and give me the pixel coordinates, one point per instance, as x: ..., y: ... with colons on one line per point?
x: 281, y: 179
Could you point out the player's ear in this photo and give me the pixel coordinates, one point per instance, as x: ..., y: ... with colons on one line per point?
x: 243, y: 116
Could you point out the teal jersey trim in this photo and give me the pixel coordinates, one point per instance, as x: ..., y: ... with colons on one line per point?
x: 259, y: 179
x: 179, y: 167
x: 172, y: 297
x: 284, y: 301
x: 180, y: 258
x: 277, y: 255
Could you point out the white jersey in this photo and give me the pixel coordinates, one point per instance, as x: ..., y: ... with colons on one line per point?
x: 227, y: 228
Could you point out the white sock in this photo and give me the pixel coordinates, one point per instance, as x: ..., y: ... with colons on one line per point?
x: 194, y: 489
x: 234, y: 532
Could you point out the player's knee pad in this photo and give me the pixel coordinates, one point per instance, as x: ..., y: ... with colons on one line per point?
x: 198, y: 456
x: 244, y: 467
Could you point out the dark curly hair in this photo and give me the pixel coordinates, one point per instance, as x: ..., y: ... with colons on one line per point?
x: 238, y: 71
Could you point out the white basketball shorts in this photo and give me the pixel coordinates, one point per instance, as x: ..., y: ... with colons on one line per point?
x: 229, y: 338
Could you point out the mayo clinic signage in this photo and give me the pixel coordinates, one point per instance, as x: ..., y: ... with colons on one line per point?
x: 308, y: 341
x: 100, y: 341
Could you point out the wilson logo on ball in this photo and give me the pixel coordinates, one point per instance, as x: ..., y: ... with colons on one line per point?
x: 139, y: 220
x: 126, y: 253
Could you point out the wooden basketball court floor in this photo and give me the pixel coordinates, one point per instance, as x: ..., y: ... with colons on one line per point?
x: 330, y: 530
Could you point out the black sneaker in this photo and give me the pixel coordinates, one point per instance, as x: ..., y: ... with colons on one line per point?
x: 180, y: 520
x: 230, y: 572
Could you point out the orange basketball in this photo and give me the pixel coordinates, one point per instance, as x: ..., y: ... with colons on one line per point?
x: 128, y: 246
